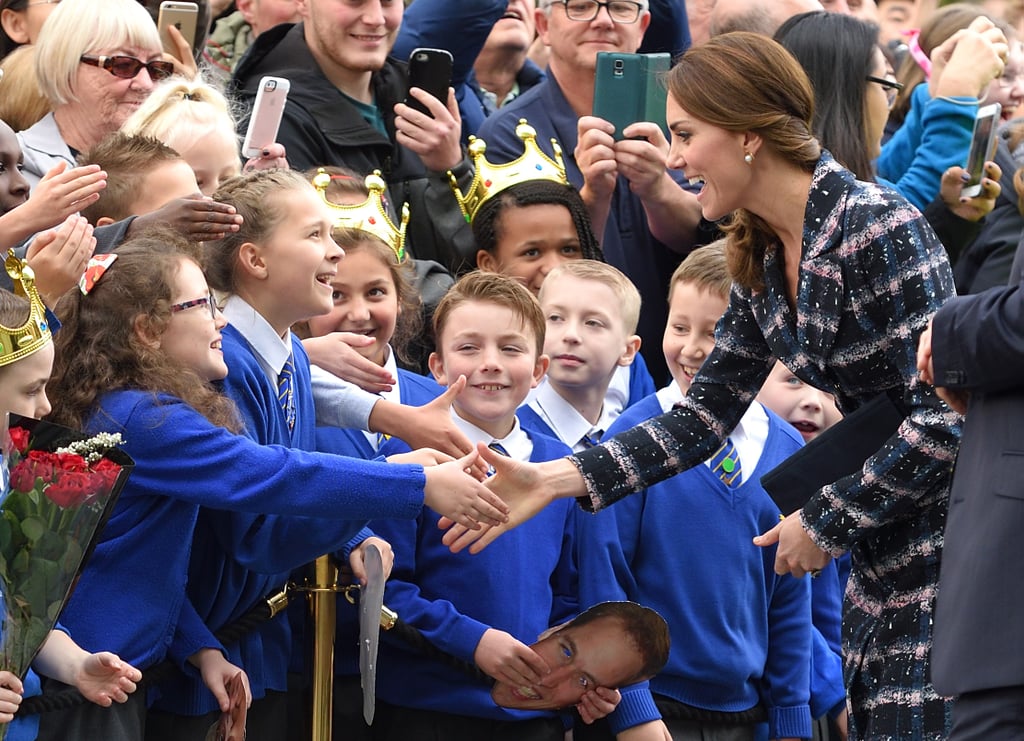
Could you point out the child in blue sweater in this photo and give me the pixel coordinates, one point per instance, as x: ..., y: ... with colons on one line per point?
x: 740, y: 633
x: 101, y: 677
x: 485, y: 609
x: 137, y: 355
x: 277, y: 270
x: 591, y: 311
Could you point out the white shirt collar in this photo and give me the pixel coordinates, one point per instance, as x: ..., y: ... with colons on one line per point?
x: 568, y: 424
x: 516, y: 443
x: 749, y: 435
x: 272, y: 351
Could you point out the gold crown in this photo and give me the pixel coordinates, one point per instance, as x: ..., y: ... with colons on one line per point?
x: 20, y: 342
x: 490, y: 179
x: 371, y: 215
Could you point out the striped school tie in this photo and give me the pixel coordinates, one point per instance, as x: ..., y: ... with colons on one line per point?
x: 286, y: 393
x: 592, y: 438
x: 726, y: 464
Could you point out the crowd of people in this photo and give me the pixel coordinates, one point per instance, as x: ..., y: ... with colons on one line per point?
x: 424, y: 330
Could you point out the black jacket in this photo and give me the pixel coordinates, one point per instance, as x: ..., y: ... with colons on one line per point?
x: 320, y: 126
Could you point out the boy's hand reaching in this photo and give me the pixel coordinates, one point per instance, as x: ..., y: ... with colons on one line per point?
x: 11, y: 691
x: 521, y: 487
x: 460, y: 498
x: 336, y: 353
x: 104, y: 679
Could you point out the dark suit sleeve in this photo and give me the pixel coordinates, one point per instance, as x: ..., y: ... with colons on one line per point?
x: 978, y: 341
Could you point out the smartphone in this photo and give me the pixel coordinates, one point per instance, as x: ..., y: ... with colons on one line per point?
x: 265, y: 118
x: 630, y: 88
x: 430, y: 70
x: 983, y: 144
x: 182, y: 16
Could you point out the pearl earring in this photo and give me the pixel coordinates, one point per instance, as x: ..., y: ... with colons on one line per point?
x: 748, y: 158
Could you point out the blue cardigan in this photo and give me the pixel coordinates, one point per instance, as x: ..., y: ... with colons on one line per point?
x: 740, y: 633
x: 238, y: 559
x: 122, y: 603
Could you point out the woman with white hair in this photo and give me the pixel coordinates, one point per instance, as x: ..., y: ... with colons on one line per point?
x: 96, y: 63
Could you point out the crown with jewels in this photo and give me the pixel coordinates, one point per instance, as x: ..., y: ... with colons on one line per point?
x: 490, y: 179
x: 20, y: 342
x: 371, y: 215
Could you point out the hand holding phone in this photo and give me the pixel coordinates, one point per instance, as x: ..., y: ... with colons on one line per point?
x: 983, y: 143
x: 266, y: 116
x: 430, y: 70
x: 628, y: 88
x: 182, y: 16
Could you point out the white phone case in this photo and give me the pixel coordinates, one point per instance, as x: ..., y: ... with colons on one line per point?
x: 266, y: 116
x: 982, y: 147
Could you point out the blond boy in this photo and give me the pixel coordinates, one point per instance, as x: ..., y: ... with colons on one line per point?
x: 591, y: 311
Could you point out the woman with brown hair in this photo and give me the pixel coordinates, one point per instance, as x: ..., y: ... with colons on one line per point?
x: 836, y: 278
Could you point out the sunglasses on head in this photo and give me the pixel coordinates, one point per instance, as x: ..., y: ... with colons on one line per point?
x: 128, y: 67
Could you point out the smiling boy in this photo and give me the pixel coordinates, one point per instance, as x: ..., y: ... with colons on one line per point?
x: 482, y: 609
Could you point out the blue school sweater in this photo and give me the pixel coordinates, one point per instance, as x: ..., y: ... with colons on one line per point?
x: 740, y: 633
x: 126, y: 604
x: 238, y: 559
x: 522, y: 583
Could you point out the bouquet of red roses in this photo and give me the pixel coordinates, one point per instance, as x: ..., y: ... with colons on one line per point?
x: 59, y: 489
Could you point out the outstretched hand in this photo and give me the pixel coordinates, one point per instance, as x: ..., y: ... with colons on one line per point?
x: 797, y: 553
x: 458, y: 497
x: 520, y: 486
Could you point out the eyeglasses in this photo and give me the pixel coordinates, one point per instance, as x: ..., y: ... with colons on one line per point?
x: 891, y: 87
x: 208, y: 301
x: 620, y: 11
x: 128, y: 67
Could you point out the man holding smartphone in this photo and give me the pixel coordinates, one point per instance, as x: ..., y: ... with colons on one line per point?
x: 345, y: 108
x: 647, y: 220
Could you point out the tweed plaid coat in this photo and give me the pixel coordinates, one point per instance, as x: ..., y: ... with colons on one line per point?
x: 872, y: 272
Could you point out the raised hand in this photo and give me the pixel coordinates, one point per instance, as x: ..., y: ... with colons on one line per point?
x: 58, y: 257
x: 436, y: 138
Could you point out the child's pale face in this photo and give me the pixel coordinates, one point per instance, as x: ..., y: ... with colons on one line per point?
x: 298, y: 262
x: 213, y: 158
x: 365, y: 302
x: 23, y: 384
x: 809, y: 410
x: 163, y: 184
x: 192, y: 337
x: 490, y: 346
x: 13, y: 186
x: 690, y: 331
x: 534, y: 240
x: 585, y: 337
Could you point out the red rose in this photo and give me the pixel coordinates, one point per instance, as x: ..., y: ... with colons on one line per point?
x: 108, y: 470
x: 73, y: 489
x: 36, y: 465
x: 71, y: 462
x: 19, y: 438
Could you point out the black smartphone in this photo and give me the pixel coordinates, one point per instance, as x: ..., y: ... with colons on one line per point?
x: 983, y: 143
x: 430, y: 70
x: 629, y: 88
